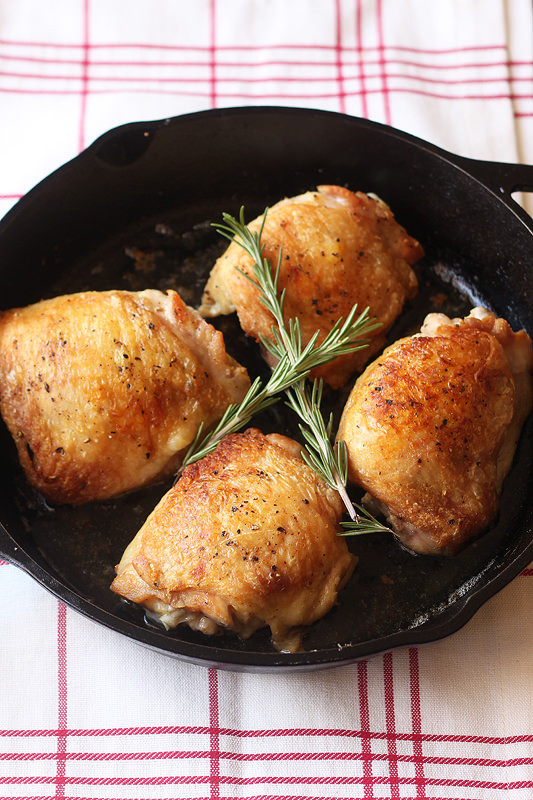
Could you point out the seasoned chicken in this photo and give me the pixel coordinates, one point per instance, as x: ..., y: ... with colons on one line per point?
x: 432, y: 425
x: 246, y: 538
x: 338, y: 249
x: 102, y: 391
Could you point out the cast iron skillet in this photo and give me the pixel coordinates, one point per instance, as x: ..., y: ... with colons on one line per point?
x: 133, y: 211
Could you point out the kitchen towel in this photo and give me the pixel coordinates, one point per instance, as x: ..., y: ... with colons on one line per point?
x: 85, y: 713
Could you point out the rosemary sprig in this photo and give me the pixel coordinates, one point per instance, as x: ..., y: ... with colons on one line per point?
x: 328, y: 460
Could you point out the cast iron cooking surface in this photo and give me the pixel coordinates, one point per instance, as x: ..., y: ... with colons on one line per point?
x: 395, y: 597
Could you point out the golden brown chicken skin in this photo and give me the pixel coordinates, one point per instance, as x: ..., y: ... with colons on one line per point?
x: 339, y: 248
x: 102, y: 391
x: 246, y: 538
x: 431, y: 427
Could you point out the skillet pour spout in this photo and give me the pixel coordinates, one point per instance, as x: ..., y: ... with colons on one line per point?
x: 153, y: 188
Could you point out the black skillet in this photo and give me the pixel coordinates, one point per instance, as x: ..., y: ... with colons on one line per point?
x: 133, y: 211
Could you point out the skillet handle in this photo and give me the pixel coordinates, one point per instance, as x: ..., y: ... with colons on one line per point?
x: 500, y: 177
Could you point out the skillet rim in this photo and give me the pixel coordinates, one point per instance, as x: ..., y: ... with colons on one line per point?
x: 500, y: 178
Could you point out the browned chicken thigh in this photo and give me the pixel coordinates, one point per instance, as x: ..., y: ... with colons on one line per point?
x: 431, y: 427
x: 339, y: 248
x: 102, y: 391
x: 246, y: 538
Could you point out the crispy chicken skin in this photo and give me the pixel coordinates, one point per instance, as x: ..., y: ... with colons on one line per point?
x: 246, y: 538
x: 432, y: 425
x: 339, y: 248
x: 102, y: 391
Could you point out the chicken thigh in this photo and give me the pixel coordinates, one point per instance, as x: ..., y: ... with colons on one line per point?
x: 338, y: 249
x: 246, y: 538
x: 432, y: 425
x: 102, y: 391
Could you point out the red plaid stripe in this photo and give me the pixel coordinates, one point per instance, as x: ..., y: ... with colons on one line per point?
x: 214, y: 736
x: 414, y: 685
x: 84, y: 75
x: 366, y: 751
x: 62, y: 699
x: 349, y: 71
x: 362, y: 733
